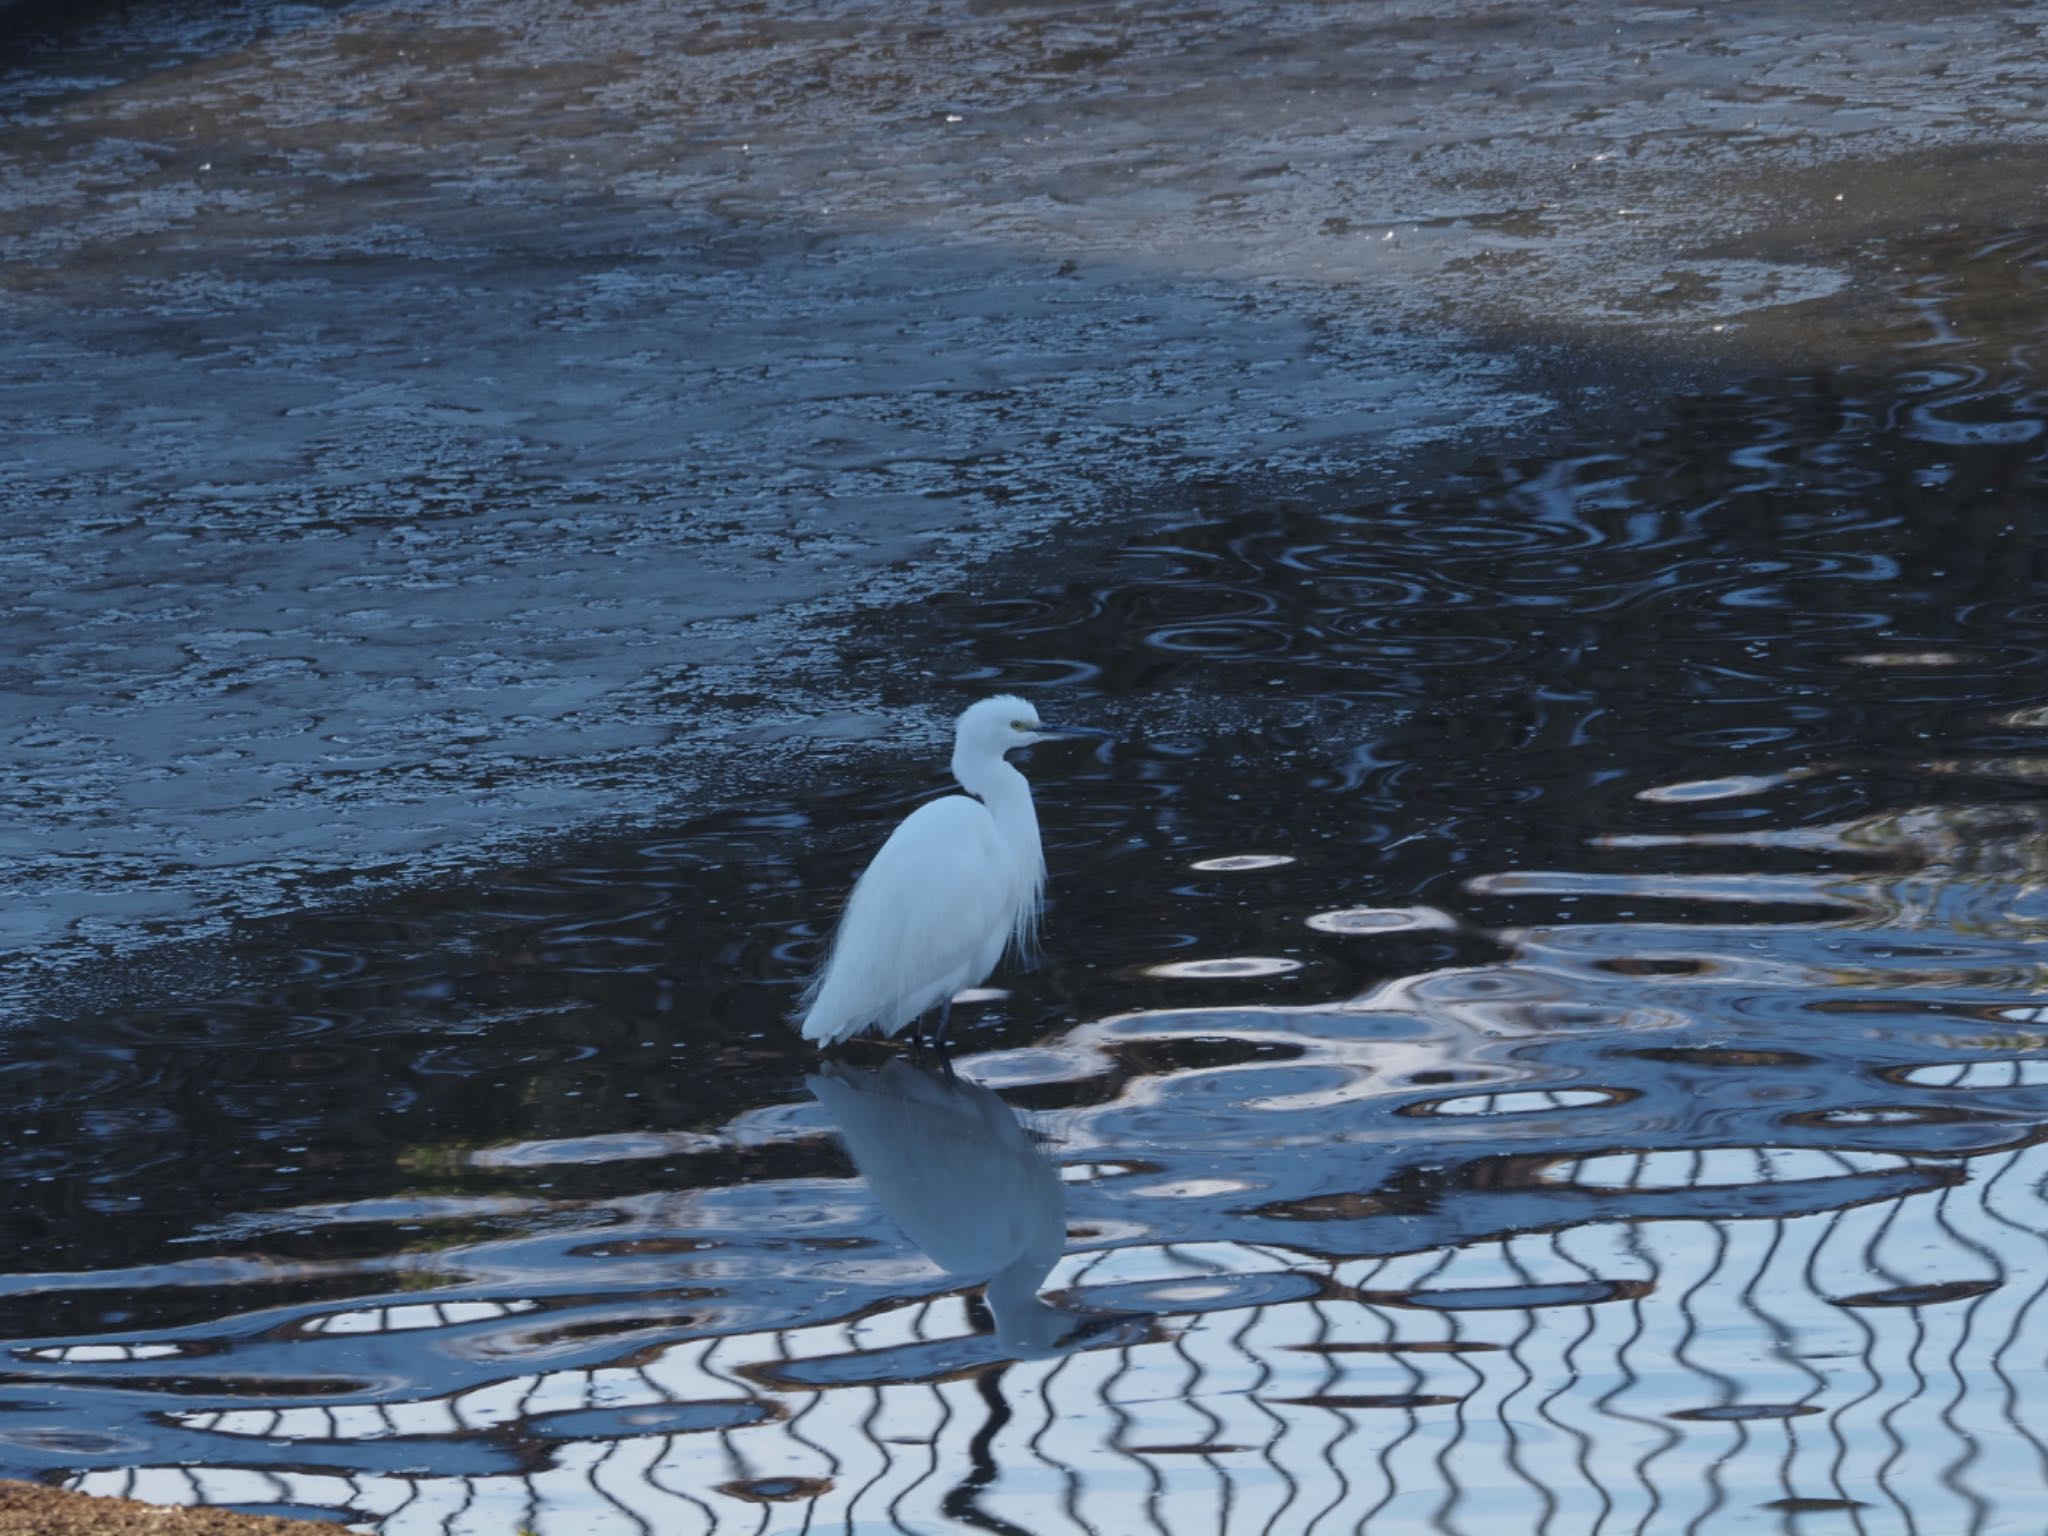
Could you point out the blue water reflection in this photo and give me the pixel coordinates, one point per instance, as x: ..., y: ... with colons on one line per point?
x: 950, y: 1163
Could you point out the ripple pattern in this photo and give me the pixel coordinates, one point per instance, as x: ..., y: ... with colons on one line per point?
x: 1575, y: 1056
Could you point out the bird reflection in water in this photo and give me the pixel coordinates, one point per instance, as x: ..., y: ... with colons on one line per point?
x: 951, y: 1164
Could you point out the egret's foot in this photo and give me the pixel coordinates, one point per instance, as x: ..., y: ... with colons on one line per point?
x: 939, y: 1050
x: 930, y: 1050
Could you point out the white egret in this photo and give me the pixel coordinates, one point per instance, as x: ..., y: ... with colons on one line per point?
x: 949, y: 1162
x: 959, y: 881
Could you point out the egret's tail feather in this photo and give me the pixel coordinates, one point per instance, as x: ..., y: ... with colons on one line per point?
x: 821, y: 1030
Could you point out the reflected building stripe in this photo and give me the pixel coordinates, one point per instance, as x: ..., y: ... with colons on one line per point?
x: 1657, y: 1375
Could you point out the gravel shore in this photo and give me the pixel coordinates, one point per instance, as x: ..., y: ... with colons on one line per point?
x: 29, y: 1509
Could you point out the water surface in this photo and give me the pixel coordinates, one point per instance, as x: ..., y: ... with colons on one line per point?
x: 434, y: 434
x: 1543, y: 1028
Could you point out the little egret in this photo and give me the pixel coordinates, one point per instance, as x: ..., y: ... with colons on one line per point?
x: 959, y: 881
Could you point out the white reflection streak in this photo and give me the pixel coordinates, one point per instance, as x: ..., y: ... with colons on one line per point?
x: 1923, y: 1399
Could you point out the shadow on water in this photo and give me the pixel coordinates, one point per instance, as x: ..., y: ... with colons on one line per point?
x: 1543, y: 1024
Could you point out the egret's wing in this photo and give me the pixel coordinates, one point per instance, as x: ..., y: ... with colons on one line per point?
x: 935, y: 894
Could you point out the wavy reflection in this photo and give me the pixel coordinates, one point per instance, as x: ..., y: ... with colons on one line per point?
x: 951, y: 1164
x: 1650, y: 1374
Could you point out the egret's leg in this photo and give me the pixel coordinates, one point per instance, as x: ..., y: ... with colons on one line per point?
x: 945, y: 1018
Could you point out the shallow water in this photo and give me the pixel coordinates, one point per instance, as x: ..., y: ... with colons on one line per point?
x: 1543, y: 1028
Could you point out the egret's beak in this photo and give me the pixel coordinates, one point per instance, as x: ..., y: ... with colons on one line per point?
x: 1101, y: 1323
x: 1044, y: 732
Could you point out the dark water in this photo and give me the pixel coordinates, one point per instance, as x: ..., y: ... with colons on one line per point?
x: 1543, y: 1028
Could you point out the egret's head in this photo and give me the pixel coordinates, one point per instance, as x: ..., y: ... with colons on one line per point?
x: 995, y: 726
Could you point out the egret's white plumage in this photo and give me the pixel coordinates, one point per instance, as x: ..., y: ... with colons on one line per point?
x: 959, y: 881
x: 950, y: 1164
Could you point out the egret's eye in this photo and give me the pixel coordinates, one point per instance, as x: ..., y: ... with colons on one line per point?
x: 1019, y: 725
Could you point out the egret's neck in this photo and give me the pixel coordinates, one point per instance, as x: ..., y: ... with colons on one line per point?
x: 1023, y: 1322
x: 1007, y: 794
x: 1005, y: 791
